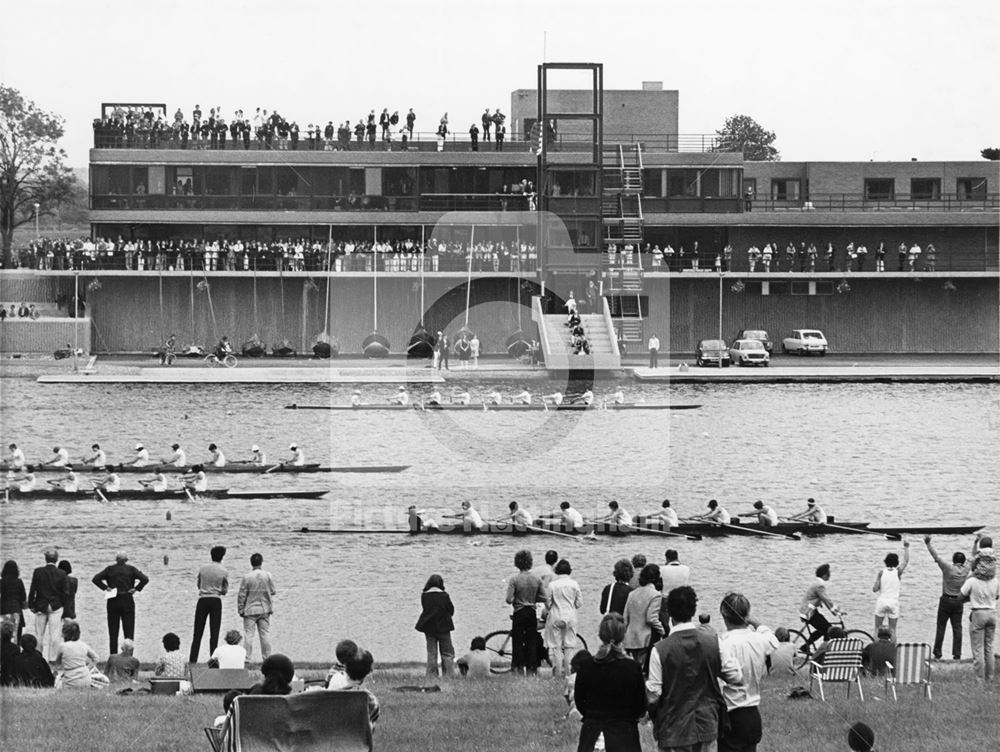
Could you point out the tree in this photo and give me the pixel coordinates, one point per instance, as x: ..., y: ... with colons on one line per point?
x: 743, y: 133
x: 32, y: 167
x: 993, y: 154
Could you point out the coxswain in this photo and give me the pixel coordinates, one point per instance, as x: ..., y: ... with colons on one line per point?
x: 97, y: 457
x: 178, y: 458
x: 665, y: 515
x: 524, y: 398
x: 766, y: 516
x: 813, y: 514
x: 470, y: 518
x: 257, y: 456
x: 417, y: 521
x: 298, y: 458
x: 195, y: 480
x: 617, y: 517
x: 402, y: 397
x: 218, y: 458
x: 356, y: 398
x: 494, y: 398
x: 461, y: 397
x: 716, y: 514
x: 555, y: 398
x: 69, y: 483
x: 141, y: 457
x: 519, y: 516
x: 110, y: 483
x: 15, y: 459
x: 61, y: 458
x: 158, y: 483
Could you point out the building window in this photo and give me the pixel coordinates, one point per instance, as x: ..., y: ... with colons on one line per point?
x: 785, y: 190
x: 801, y: 288
x: 925, y: 188
x: 971, y: 188
x: 880, y: 189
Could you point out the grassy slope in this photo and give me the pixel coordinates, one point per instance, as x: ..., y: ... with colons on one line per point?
x: 505, y: 713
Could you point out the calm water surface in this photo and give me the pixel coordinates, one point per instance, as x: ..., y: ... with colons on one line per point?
x: 883, y: 453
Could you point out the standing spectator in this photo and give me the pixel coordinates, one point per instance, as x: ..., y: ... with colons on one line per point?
x: 887, y: 584
x: 748, y: 198
x: 499, y: 132
x: 654, y: 351
x: 609, y: 692
x: 75, y: 658
x: 684, y: 674
x: 931, y: 258
x: 72, y: 585
x: 642, y: 616
x: 13, y: 598
x: 124, y: 580
x: 673, y: 574
x: 253, y: 603
x: 830, y: 262
x: 437, y: 625
x: 474, y: 137
x: 411, y: 118
x: 615, y: 595
x: 475, y: 345
x: 564, y: 599
x: 880, y: 258
x: 750, y: 643
x: 46, y: 596
x: 487, y: 121
x: 213, y: 583
x: 862, y: 254
x: 950, y: 604
x: 983, y: 591
x: 902, y: 253
x: 524, y: 590
x: 123, y: 666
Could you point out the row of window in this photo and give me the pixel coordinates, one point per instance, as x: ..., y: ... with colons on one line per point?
x: 876, y: 189
x: 637, y: 306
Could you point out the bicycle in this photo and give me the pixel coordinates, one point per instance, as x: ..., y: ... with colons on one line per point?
x: 228, y: 360
x: 798, y: 638
x: 499, y: 645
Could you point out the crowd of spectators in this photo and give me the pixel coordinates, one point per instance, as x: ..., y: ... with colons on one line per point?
x: 286, y: 254
x: 148, y: 127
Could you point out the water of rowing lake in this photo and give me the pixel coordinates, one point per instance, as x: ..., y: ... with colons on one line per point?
x: 883, y: 453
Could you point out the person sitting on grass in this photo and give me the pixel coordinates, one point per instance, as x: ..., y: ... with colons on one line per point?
x: 123, y: 666
x: 875, y: 655
x: 230, y: 654
x: 336, y: 677
x: 30, y: 667
x: 476, y: 663
x: 76, y: 658
x: 278, y: 671
x: 170, y: 663
x: 782, y: 660
x: 8, y: 653
x: 358, y: 667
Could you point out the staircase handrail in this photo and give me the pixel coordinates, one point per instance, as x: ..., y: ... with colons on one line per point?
x: 638, y: 154
x: 612, y: 332
x: 543, y: 333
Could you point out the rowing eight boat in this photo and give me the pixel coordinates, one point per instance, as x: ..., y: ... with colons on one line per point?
x: 232, y: 467
x: 134, y: 494
x: 480, y: 406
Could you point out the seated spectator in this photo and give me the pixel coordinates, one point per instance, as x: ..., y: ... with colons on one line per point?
x: 30, y: 667
x: 230, y: 654
x: 123, y: 666
x: 278, y: 671
x: 875, y: 654
x: 834, y: 633
x: 358, y: 668
x: 782, y: 659
x: 227, y: 704
x: 336, y: 677
x: 8, y: 653
x: 76, y: 659
x: 171, y: 662
x: 476, y: 663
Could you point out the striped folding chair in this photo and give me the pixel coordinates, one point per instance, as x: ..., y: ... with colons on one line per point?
x: 841, y: 663
x: 912, y: 666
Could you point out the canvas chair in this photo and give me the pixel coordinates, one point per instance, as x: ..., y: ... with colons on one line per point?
x: 220, y: 679
x: 306, y: 722
x: 841, y: 663
x: 912, y: 666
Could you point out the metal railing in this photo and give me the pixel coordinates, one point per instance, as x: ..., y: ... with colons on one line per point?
x: 859, y: 202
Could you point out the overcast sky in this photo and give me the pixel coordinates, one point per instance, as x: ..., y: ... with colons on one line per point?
x: 843, y: 80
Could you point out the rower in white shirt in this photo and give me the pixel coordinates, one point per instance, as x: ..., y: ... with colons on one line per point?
x: 618, y: 398
x: 61, y: 458
x: 519, y: 516
x: 16, y: 457
x: 617, y: 517
x: 218, y: 458
x: 68, y: 483
x: 587, y: 398
x: 524, y: 398
x: 257, y: 456
x: 97, y: 457
x: 141, y: 456
x: 716, y: 514
x: 470, y: 518
x: 298, y: 458
x: 158, y: 483
x: 110, y: 483
x: 178, y: 458
x: 356, y: 398
x: 568, y: 517
x: 665, y: 515
x: 461, y: 397
x: 26, y: 483
x: 766, y: 516
x: 434, y: 399
x: 402, y: 397
x: 494, y: 398
x: 556, y: 398
x: 195, y: 480
x: 813, y: 514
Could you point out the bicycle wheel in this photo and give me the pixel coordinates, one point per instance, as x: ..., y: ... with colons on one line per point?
x: 499, y: 646
x: 798, y: 638
x: 860, y: 634
x: 229, y: 361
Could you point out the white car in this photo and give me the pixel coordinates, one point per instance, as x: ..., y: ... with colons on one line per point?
x: 749, y: 352
x: 805, y: 341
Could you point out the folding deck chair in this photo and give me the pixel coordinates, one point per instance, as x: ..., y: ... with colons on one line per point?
x: 912, y: 666
x: 841, y: 663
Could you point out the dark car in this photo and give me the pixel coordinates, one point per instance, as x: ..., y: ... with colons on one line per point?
x: 758, y: 334
x: 714, y: 351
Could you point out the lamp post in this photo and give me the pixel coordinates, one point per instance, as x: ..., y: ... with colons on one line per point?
x: 37, y: 207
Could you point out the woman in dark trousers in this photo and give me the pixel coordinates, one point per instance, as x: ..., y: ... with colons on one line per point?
x: 436, y: 623
x: 13, y: 599
x: 72, y: 585
x: 610, y: 693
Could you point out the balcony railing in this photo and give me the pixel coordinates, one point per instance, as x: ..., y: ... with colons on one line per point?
x: 847, y: 202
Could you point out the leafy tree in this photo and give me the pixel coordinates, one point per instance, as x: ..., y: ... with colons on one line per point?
x: 743, y: 133
x: 993, y: 154
x: 32, y: 167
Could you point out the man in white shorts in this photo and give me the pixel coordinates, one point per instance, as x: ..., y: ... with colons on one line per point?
x: 887, y: 587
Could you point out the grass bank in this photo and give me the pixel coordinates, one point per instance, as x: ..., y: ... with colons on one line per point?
x: 505, y: 713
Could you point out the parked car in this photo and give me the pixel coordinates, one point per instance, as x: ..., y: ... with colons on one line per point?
x: 712, y: 351
x: 805, y: 341
x: 759, y: 334
x: 749, y: 352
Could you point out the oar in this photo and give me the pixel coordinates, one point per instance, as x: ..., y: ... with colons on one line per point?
x: 577, y: 538
x: 754, y: 531
x: 689, y: 536
x: 273, y: 468
x: 97, y: 491
x: 848, y: 529
x: 189, y: 494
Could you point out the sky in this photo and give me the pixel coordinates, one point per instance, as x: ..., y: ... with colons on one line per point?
x: 845, y: 80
